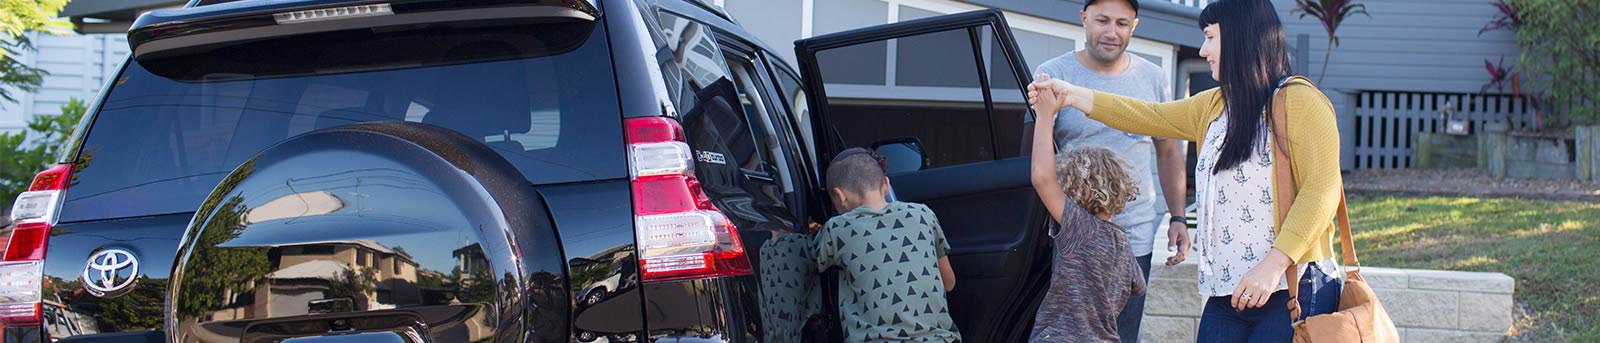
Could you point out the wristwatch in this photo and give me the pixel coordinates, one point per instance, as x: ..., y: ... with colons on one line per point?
x: 1180, y: 219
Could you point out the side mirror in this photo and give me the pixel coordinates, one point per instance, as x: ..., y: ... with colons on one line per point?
x: 902, y: 154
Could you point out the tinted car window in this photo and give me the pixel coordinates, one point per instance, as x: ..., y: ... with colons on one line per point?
x: 170, y: 129
x: 936, y: 97
x: 798, y: 109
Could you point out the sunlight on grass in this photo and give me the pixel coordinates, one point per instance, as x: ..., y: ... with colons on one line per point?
x: 1552, y: 248
x: 1572, y: 225
x: 1387, y: 232
x: 1475, y: 261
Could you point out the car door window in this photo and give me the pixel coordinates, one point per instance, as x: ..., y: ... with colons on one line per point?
x: 931, y: 91
x: 775, y: 172
x: 724, y: 116
x: 1009, y: 112
x: 799, y: 112
x: 754, y: 106
x: 937, y: 97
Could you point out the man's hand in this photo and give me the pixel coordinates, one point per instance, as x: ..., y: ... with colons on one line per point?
x: 1177, y: 241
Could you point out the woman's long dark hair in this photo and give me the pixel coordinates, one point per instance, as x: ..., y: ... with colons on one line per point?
x: 1254, y: 58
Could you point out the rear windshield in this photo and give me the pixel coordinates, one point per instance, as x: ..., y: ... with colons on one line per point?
x: 541, y: 94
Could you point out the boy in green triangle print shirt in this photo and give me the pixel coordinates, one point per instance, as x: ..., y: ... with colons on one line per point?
x: 893, y: 270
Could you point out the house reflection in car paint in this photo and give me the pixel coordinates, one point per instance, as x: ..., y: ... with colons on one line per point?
x: 608, y: 274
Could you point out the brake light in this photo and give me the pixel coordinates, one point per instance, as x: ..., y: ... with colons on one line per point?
x: 22, y: 265
x: 681, y: 234
x: 321, y: 14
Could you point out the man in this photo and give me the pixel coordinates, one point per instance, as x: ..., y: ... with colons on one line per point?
x: 1104, y: 64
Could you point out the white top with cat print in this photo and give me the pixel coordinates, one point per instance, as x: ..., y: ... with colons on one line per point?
x: 1235, y: 213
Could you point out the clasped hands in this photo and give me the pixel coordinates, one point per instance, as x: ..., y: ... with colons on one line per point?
x: 1047, y: 95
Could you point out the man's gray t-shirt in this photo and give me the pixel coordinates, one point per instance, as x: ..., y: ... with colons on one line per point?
x: 1142, y: 80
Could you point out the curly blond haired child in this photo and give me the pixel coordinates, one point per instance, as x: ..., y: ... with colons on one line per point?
x: 1094, y: 271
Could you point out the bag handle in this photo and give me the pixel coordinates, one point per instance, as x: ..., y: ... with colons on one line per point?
x: 1286, y: 189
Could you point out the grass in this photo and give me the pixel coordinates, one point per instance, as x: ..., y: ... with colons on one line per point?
x: 1552, y: 248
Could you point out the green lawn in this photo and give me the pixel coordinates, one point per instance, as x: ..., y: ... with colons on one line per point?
x: 1552, y: 248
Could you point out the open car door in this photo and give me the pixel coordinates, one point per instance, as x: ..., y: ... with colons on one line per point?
x: 942, y: 99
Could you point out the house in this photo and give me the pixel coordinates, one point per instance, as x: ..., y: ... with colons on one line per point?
x: 78, y: 63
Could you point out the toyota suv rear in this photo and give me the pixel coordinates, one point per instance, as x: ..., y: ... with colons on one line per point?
x: 534, y: 170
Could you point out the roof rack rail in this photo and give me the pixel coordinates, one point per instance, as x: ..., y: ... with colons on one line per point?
x: 195, y: 3
x: 704, y: 4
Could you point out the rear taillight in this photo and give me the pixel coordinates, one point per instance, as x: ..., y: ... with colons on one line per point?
x: 22, y: 265
x: 681, y: 234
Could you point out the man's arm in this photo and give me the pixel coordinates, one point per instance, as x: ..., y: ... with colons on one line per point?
x: 1170, y: 164
x: 1170, y: 158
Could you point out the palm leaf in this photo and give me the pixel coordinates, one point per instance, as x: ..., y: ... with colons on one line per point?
x: 1331, y: 14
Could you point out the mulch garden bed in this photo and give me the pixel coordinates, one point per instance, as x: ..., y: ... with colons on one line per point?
x: 1465, y: 182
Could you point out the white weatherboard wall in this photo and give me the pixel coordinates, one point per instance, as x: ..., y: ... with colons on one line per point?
x: 1424, y: 46
x: 1407, y: 45
x: 1039, y: 38
x: 78, y: 66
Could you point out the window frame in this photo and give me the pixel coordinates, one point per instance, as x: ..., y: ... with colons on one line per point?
x: 777, y: 116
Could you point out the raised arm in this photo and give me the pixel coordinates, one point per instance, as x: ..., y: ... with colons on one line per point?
x: 1045, y: 105
x: 1184, y: 119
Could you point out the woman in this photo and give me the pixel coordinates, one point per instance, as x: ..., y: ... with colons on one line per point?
x: 1244, y: 251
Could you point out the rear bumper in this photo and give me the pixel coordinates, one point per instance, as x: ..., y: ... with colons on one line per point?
x: 23, y: 334
x: 120, y: 337
x: 710, y: 310
x: 35, y: 334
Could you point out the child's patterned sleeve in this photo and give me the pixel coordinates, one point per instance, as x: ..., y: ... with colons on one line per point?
x: 1075, y: 214
x: 1073, y: 219
x: 940, y: 246
x: 825, y: 246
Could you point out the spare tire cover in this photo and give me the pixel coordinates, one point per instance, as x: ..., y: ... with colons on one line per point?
x: 388, y: 228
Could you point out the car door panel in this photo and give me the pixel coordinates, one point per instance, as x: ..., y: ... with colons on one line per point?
x: 971, y: 176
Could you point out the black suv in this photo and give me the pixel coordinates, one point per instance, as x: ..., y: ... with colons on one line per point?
x: 509, y: 171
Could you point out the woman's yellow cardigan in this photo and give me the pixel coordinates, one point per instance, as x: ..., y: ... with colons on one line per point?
x: 1306, y: 234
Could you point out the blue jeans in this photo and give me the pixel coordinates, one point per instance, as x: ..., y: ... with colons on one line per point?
x: 1319, y: 294
x: 1133, y: 312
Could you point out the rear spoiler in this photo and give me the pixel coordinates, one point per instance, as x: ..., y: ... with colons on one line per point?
x: 177, y: 29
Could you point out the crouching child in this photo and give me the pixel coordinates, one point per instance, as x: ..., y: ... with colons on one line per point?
x: 893, y: 272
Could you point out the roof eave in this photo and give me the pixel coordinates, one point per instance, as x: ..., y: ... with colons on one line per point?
x: 1160, y: 21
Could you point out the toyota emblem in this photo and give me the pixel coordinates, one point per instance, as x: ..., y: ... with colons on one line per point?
x: 110, y: 272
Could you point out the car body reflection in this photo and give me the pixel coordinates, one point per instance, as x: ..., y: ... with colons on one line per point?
x: 608, y: 275
x: 296, y: 244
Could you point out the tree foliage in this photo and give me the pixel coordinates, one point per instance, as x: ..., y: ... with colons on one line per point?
x: 18, y: 17
x: 32, y: 150
x: 1331, y: 13
x: 357, y: 284
x: 216, y: 275
x: 1561, y: 54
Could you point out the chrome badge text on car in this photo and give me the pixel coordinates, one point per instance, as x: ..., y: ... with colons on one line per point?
x: 110, y: 272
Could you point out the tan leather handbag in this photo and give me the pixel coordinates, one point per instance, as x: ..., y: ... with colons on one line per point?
x: 1361, y: 318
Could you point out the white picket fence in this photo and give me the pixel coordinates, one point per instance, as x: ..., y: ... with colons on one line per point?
x: 1191, y: 3
x: 1386, y: 123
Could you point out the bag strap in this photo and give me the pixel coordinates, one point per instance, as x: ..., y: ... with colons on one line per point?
x: 1283, y: 171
